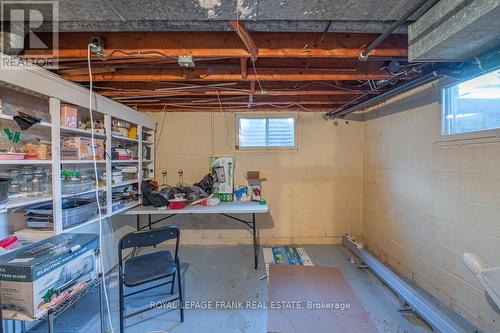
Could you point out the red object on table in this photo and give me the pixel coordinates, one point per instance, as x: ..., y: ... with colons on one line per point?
x: 177, y: 203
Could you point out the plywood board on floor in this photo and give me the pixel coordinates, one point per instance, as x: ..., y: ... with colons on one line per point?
x: 313, y: 299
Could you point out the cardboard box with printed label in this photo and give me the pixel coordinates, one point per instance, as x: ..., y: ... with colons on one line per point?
x: 69, y: 116
x: 222, y: 169
x: 80, y: 148
x: 35, y: 276
x: 254, y: 185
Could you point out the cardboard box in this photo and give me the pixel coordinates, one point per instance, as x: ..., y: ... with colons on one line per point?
x: 254, y: 185
x: 36, y: 151
x: 222, y: 170
x: 34, y: 275
x: 80, y: 148
x: 69, y: 116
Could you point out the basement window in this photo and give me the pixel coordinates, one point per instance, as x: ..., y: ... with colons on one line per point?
x: 472, y: 106
x: 266, y: 131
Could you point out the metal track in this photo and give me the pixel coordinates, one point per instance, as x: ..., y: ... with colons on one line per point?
x: 428, y: 311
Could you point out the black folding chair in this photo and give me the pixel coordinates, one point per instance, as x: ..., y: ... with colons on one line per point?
x: 150, y: 267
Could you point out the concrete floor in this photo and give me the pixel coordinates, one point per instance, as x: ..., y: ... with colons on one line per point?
x: 226, y: 273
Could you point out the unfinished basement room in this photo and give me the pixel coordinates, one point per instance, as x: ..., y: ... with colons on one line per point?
x: 250, y: 166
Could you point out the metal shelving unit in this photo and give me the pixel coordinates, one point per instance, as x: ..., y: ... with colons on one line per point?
x: 79, y: 131
x: 25, y: 162
x: 126, y: 182
x: 124, y: 138
x: 54, y: 91
x: 124, y: 161
x: 82, y: 161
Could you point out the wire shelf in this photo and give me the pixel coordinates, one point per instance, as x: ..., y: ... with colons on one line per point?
x: 73, y: 299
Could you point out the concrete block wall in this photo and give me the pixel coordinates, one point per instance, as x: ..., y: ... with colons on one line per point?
x: 314, y: 192
x: 424, y: 205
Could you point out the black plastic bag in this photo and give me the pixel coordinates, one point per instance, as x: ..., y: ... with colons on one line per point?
x: 152, y: 198
x: 206, y: 184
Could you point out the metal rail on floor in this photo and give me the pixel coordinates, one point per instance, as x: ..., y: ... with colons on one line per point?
x: 428, y: 311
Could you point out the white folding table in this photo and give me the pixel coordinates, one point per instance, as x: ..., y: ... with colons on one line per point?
x: 224, y: 209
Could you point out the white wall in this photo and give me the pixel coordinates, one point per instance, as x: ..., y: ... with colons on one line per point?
x: 423, y: 206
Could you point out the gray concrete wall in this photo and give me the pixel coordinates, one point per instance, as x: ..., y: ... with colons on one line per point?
x: 424, y: 205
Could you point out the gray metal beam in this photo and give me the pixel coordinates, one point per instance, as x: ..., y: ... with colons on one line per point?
x: 421, y: 80
x: 365, y: 26
x: 428, y: 311
x: 455, y: 30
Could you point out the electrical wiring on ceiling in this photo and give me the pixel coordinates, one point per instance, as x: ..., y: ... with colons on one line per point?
x: 157, y: 141
x: 149, y: 52
x: 228, y: 141
x: 320, y: 83
x: 248, y: 49
x: 212, y: 133
x: 190, y: 106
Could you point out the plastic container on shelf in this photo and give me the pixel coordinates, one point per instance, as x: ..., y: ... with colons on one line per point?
x: 38, y: 186
x: 36, y: 151
x: 48, y: 183
x: 74, y: 211
x: 26, y: 183
x: 14, y: 187
x: 74, y: 188
x: 11, y: 156
x: 14, y: 173
x: 71, y: 177
x: 117, y: 179
x: 10, y: 243
x: 132, y: 132
x: 74, y: 182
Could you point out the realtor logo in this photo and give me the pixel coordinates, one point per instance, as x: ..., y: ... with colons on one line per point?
x: 29, y: 26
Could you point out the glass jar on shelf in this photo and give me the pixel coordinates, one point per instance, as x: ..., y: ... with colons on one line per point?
x: 14, y: 187
x: 37, y: 186
x: 26, y: 179
x: 48, y: 183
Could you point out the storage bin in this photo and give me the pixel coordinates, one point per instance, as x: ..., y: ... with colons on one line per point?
x: 80, y: 148
x: 36, y: 151
x: 74, y: 211
x: 69, y: 188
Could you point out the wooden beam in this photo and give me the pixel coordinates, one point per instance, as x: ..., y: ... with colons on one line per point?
x: 263, y: 108
x: 232, y: 103
x: 85, y: 71
x: 148, y: 75
x: 241, y: 99
x: 325, y: 92
x: 221, y: 44
x: 244, y: 68
x: 245, y: 37
x: 271, y: 88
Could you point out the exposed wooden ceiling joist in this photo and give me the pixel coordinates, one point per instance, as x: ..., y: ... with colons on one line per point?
x: 215, y: 92
x: 195, y: 74
x: 234, y: 108
x: 300, y: 71
x: 245, y: 37
x: 223, y: 44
